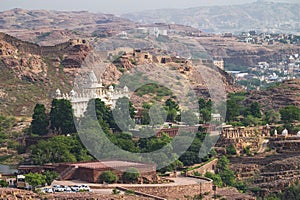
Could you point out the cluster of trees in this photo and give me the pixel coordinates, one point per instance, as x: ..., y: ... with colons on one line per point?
x: 35, y: 179
x: 225, y: 176
x: 173, y: 113
x: 131, y: 175
x: 191, y: 156
x: 59, y: 149
x: 246, y: 115
x: 60, y: 120
x: 205, y: 110
x: 148, y: 141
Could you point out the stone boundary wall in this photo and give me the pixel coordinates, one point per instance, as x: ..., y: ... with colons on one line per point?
x: 176, y: 192
x: 208, y: 167
x: 142, y: 193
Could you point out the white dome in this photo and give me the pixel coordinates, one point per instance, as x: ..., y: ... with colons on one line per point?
x: 275, y: 132
x: 111, y: 88
x: 285, y: 132
x: 72, y: 93
x: 298, y: 134
x: 57, y: 92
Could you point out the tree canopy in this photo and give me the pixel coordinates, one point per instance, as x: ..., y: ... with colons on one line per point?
x: 108, y: 177
x: 61, y: 117
x: 59, y: 149
x: 39, y: 122
x: 290, y: 113
x: 131, y: 175
x: 35, y: 179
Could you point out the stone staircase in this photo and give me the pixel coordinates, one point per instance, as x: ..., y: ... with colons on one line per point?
x: 67, y: 173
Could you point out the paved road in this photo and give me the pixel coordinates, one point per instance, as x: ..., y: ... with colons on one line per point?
x: 177, y: 181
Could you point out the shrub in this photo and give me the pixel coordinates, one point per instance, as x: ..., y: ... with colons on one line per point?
x: 108, y: 177
x: 131, y: 175
x: 215, y: 177
x: 3, y: 183
x: 115, y: 191
x: 129, y: 192
x: 231, y: 150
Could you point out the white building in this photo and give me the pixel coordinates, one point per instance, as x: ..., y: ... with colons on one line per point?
x: 92, y: 89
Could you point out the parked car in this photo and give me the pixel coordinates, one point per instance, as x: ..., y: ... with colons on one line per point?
x: 58, y: 188
x: 75, y: 188
x: 68, y: 189
x: 85, y: 188
x: 47, y: 190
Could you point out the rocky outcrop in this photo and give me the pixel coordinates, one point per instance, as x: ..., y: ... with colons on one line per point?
x: 274, y: 172
x: 276, y: 97
x: 30, y: 73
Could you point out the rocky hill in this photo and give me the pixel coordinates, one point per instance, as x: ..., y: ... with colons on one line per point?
x: 279, y: 96
x: 261, y: 16
x: 30, y: 73
x: 54, y: 27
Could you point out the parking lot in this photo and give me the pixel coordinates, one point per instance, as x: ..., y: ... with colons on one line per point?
x: 67, y: 189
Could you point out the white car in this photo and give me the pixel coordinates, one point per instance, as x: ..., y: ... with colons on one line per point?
x: 47, y: 190
x: 68, y: 189
x: 58, y: 188
x: 85, y: 188
x: 75, y: 188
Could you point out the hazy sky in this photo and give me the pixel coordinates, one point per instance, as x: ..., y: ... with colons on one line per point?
x: 115, y: 6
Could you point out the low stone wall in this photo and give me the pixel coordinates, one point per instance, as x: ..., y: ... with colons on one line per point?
x: 208, y: 167
x: 142, y: 194
x: 175, y: 192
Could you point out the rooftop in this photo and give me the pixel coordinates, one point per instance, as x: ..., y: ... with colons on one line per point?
x: 111, y: 164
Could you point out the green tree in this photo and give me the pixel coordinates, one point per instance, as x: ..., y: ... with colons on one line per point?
x: 290, y: 113
x: 131, y: 175
x: 172, y: 108
x: 232, y: 110
x: 3, y: 183
x: 292, y: 192
x: 123, y: 114
x: 145, y: 117
x: 223, y: 163
x: 215, y: 177
x: 103, y: 114
x: 172, y: 167
x: 50, y: 176
x: 231, y: 150
x: 205, y: 109
x: 157, y: 115
x: 227, y: 175
x: 255, y: 110
x: 250, y: 120
x: 271, y: 116
x: 35, y: 179
x: 39, y: 122
x: 205, y: 115
x: 189, y: 158
x: 108, y: 177
x: 61, y: 116
x: 189, y: 118
x: 58, y: 149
